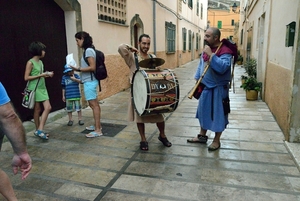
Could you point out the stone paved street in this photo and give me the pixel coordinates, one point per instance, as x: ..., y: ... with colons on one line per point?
x: 254, y: 162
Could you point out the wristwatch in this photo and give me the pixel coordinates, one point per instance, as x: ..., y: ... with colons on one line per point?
x: 79, y: 68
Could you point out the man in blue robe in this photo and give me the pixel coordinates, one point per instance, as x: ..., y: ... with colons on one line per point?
x: 212, y: 112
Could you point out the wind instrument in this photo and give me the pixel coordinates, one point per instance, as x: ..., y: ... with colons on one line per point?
x: 204, y: 72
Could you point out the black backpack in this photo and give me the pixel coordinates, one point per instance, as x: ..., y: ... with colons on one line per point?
x: 100, y: 72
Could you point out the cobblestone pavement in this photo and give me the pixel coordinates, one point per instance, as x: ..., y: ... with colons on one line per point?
x: 254, y: 162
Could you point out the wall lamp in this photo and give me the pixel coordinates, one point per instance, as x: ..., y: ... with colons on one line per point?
x: 234, y: 7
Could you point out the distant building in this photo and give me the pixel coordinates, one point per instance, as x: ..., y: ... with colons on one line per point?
x: 220, y: 15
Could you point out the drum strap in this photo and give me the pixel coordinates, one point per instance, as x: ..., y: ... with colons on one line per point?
x: 136, y: 61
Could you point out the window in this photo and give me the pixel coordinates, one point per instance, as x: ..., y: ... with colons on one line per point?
x: 241, y: 37
x: 197, y: 41
x: 219, y: 24
x: 170, y: 36
x: 190, y: 40
x: 201, y: 13
x: 232, y: 22
x: 112, y: 11
x: 197, y: 8
x: 184, y: 39
x: 190, y: 3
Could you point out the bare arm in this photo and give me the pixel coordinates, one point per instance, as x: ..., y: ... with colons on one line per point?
x: 90, y: 68
x: 28, y: 69
x: 63, y: 95
x: 12, y: 127
x: 75, y: 79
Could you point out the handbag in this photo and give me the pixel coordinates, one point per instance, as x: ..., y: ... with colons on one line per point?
x: 198, y: 91
x: 29, y: 96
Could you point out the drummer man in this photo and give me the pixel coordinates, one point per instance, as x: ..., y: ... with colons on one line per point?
x: 126, y: 51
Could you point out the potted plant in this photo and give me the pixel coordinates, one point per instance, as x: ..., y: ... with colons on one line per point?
x: 250, y: 67
x: 243, y: 78
x: 240, y: 60
x: 251, y: 85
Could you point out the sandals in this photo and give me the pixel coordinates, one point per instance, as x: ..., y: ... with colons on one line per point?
x: 213, y: 147
x: 70, y: 123
x: 165, y: 141
x: 41, y: 134
x: 198, y: 139
x: 93, y: 134
x: 90, y: 128
x: 144, y: 146
x: 80, y: 122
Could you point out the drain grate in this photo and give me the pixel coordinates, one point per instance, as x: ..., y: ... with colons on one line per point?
x: 110, y: 130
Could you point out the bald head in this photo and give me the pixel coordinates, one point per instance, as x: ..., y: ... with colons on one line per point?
x: 212, y: 36
x: 215, y: 32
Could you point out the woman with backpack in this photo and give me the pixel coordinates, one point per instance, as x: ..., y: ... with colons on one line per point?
x: 90, y: 83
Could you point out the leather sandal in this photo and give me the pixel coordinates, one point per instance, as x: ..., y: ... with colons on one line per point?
x: 144, y: 146
x: 213, y: 147
x: 198, y: 139
x: 165, y: 141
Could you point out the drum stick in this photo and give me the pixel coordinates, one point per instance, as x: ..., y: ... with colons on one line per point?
x: 136, y: 61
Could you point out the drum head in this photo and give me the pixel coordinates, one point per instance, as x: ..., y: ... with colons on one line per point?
x: 139, y: 92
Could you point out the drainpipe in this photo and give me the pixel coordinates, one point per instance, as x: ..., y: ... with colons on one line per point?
x: 154, y: 27
x: 178, y: 62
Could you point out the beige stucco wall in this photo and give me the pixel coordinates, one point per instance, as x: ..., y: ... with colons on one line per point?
x: 276, y: 62
x: 277, y: 94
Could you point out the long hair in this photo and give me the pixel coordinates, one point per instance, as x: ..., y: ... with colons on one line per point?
x: 87, y: 39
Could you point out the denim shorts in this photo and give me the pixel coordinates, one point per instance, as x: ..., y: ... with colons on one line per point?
x: 90, y: 89
x: 73, y: 104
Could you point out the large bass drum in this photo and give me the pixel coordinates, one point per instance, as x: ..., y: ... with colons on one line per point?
x: 154, y: 91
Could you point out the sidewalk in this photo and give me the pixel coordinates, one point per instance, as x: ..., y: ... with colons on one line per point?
x: 254, y: 162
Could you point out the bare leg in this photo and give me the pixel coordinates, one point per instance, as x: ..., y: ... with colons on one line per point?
x: 141, y: 129
x: 96, y: 113
x: 79, y: 115
x: 203, y: 131
x: 161, y: 128
x: 217, y: 138
x: 70, y: 116
x: 162, y: 136
x: 6, y: 188
x: 47, y: 109
x: 216, y: 142
x: 36, y: 114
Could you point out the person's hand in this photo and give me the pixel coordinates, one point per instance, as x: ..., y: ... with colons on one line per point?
x: 132, y: 49
x: 75, y: 68
x: 64, y: 99
x: 158, y: 68
x: 207, y: 50
x: 50, y: 73
x: 72, y: 77
x: 23, y: 163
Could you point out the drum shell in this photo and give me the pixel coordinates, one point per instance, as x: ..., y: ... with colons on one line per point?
x: 154, y: 91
